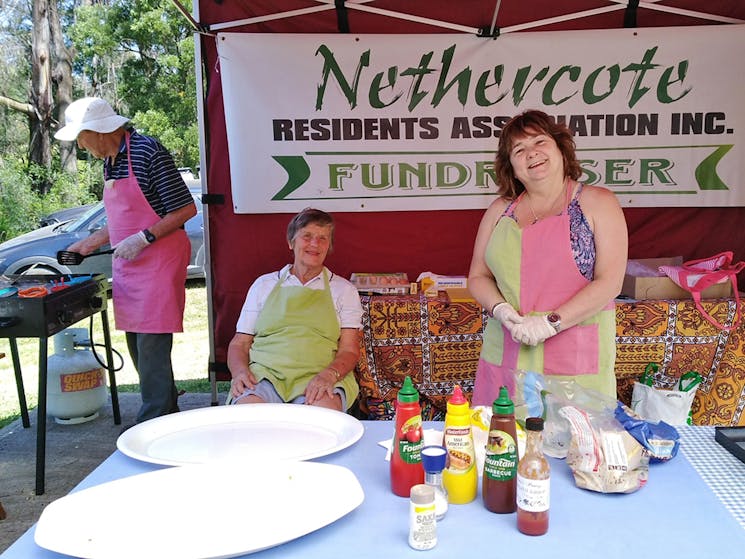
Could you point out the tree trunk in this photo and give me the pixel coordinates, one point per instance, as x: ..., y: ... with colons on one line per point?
x: 62, y: 78
x: 41, y: 92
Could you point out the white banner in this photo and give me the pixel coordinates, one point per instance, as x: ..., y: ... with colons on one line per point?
x: 411, y: 122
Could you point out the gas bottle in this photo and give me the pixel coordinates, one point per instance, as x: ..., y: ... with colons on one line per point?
x: 76, y: 386
x: 460, y: 477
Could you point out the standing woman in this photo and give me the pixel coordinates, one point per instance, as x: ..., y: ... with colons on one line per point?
x: 548, y: 261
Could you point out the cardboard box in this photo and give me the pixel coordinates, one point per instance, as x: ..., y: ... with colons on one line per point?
x: 381, y: 283
x: 459, y: 295
x: 432, y: 284
x: 652, y: 284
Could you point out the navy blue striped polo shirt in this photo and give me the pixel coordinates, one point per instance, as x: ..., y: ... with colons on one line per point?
x: 155, y: 170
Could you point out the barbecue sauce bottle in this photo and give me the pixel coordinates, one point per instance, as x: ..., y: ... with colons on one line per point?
x: 533, y: 482
x: 460, y: 477
x: 406, y: 450
x: 499, y: 481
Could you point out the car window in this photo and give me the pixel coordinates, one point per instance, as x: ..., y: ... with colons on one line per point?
x: 197, y: 200
x: 79, y: 221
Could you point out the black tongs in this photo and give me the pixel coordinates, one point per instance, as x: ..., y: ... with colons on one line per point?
x: 70, y: 258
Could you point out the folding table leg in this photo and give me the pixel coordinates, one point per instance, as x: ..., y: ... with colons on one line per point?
x: 19, y: 382
x: 41, y: 418
x: 110, y: 361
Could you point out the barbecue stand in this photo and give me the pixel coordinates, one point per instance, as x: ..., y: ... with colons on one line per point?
x: 71, y: 298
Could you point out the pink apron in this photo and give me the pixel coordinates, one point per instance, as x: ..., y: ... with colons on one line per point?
x: 148, y: 292
x: 536, y: 272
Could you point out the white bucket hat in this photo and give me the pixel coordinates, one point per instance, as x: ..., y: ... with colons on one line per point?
x: 89, y: 113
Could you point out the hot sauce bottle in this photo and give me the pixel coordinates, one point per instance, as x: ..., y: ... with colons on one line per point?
x: 533, y: 474
x: 500, y: 465
x: 406, y: 452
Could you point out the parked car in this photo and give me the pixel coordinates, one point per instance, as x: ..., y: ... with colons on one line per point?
x: 60, y: 216
x: 38, y: 249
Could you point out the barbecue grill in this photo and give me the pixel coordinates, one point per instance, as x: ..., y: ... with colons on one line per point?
x: 39, y: 306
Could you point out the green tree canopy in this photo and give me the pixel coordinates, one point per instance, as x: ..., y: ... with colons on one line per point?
x: 140, y: 56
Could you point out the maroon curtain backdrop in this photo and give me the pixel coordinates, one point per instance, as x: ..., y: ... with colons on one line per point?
x: 244, y: 246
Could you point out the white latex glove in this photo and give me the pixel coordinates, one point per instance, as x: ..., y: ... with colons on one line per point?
x: 130, y: 247
x: 507, y: 315
x: 533, y: 330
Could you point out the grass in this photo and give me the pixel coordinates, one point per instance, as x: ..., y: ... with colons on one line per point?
x: 190, y: 356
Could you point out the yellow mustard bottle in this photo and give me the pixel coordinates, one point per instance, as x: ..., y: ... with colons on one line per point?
x: 460, y: 477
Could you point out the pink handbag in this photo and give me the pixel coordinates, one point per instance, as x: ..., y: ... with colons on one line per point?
x: 696, y: 275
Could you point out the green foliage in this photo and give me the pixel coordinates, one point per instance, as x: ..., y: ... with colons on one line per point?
x: 21, y: 206
x: 15, y: 77
x: 183, y: 143
x: 149, y: 47
x: 138, y: 54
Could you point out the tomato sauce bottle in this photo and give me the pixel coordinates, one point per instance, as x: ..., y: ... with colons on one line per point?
x: 499, y: 481
x: 533, y: 473
x: 406, y: 450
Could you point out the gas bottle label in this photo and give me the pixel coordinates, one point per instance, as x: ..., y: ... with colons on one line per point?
x: 461, y: 454
x: 78, y: 382
x: 410, y: 441
x: 500, y: 463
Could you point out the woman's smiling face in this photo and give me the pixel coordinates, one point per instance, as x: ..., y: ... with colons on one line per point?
x: 311, y: 245
x: 535, y: 156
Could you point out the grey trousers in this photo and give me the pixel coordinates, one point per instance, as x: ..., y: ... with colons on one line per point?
x: 151, y: 355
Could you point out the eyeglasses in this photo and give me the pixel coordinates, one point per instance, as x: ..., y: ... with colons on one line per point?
x: 318, y: 238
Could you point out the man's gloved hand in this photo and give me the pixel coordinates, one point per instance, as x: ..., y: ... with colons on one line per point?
x: 533, y: 330
x: 507, y: 315
x: 130, y: 247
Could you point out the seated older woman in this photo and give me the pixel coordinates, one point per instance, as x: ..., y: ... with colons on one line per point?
x: 297, y: 337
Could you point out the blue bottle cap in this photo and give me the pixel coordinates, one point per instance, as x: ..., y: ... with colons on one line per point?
x: 433, y: 458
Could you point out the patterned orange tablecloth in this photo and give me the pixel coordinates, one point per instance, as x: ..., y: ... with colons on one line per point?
x: 437, y: 342
x: 675, y: 335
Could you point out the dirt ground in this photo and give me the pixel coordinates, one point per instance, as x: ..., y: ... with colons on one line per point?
x: 72, y: 452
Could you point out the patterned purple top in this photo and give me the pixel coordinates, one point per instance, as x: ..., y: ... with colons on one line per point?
x: 580, y: 235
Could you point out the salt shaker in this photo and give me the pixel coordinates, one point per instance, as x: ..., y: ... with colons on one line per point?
x: 422, y: 521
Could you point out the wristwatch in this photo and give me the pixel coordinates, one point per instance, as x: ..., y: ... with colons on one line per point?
x: 554, y: 320
x: 149, y: 237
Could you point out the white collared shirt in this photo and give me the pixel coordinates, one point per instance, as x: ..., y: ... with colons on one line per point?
x: 344, y: 294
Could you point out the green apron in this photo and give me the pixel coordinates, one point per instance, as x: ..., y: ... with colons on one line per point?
x: 297, y: 336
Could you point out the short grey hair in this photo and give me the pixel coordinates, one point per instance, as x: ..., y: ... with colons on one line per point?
x: 305, y: 218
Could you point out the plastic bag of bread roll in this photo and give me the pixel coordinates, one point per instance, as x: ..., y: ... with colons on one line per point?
x: 603, y: 456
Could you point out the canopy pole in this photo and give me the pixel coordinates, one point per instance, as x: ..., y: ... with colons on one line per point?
x: 494, y: 18
x: 278, y: 15
x: 198, y: 27
x: 652, y: 5
x: 342, y: 16
x: 411, y: 17
x: 629, y: 16
x: 559, y: 19
x: 493, y: 31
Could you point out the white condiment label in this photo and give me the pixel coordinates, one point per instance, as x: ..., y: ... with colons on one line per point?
x: 533, y: 495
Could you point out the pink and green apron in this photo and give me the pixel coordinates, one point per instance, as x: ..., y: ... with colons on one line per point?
x: 536, y: 272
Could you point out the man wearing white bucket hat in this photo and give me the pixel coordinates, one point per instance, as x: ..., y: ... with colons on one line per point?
x: 147, y: 204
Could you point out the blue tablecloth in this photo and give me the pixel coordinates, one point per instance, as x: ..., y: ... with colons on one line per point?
x: 692, y: 507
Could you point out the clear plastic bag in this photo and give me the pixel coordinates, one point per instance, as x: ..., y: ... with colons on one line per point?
x: 603, y: 456
x: 537, y: 395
